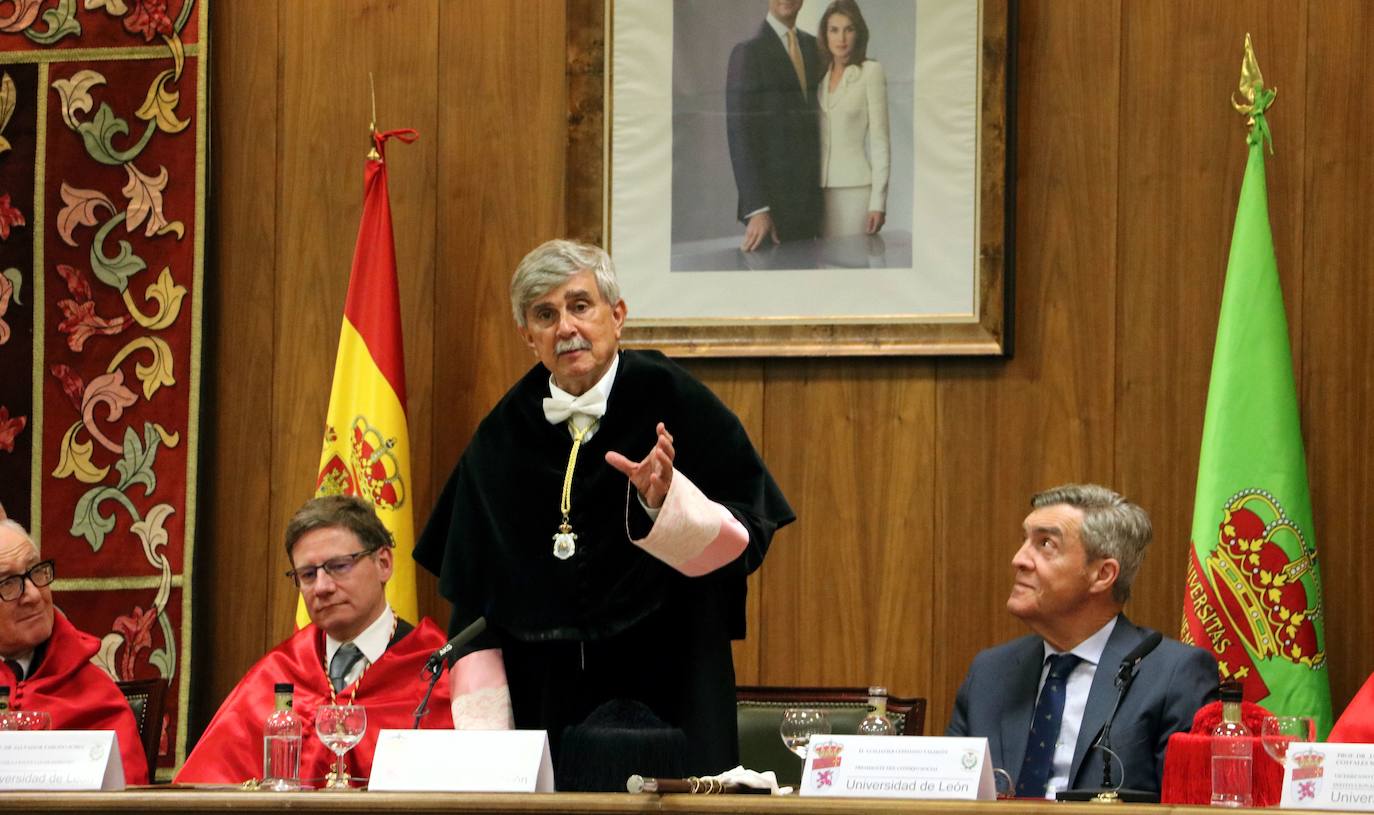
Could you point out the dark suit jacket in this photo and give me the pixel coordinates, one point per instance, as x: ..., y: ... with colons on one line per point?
x: 774, y: 132
x: 998, y: 698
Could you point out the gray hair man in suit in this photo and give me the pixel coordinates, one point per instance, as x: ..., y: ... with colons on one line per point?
x: 1042, y: 700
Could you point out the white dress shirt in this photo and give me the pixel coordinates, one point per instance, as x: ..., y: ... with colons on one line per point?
x: 1076, y: 689
x: 372, y: 642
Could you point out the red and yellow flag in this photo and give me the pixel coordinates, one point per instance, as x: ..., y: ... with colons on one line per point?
x: 366, y: 449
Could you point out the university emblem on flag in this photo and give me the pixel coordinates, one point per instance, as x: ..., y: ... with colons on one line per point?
x: 1307, y: 775
x: 1253, y: 604
x: 371, y: 472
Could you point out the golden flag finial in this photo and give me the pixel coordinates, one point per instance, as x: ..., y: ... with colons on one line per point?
x: 372, y: 153
x: 1255, y: 98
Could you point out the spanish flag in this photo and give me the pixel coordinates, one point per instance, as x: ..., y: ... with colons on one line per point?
x: 366, y: 450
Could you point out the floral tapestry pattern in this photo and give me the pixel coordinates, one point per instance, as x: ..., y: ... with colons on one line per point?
x: 103, y: 132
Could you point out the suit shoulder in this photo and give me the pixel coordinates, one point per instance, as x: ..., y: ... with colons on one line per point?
x: 1000, y: 654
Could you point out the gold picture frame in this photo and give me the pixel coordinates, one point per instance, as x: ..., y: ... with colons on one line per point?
x: 604, y: 169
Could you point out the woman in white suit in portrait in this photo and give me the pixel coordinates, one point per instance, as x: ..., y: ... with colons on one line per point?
x: 855, y: 156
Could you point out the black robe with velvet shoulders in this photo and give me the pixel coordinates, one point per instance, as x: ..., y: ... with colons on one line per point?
x: 611, y: 621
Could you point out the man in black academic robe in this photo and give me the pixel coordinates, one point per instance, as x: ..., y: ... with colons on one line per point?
x: 605, y: 616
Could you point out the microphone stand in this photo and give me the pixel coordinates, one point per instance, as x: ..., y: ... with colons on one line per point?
x: 1125, y: 676
x: 434, y: 671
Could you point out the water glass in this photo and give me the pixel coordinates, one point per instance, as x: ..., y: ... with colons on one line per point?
x: 799, y: 724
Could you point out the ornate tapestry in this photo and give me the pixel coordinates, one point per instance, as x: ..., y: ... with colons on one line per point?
x: 103, y: 129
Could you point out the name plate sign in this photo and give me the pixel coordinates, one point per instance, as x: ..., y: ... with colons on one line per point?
x: 931, y: 767
x: 1329, y: 776
x: 462, y: 761
x: 60, y: 760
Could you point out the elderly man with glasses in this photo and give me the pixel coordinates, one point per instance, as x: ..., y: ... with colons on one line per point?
x: 355, y: 651
x: 46, y: 662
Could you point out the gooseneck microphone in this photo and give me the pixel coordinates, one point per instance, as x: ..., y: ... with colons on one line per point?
x: 444, y: 658
x: 1125, y: 675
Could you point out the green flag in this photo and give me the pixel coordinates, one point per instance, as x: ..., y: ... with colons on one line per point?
x: 1254, y: 590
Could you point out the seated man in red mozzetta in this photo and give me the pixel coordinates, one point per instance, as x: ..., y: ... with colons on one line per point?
x: 355, y: 651
x: 46, y: 662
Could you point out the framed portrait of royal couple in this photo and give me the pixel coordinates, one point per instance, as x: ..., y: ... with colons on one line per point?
x: 810, y: 177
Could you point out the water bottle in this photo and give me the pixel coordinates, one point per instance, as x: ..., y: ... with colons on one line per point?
x: 281, y: 743
x: 1232, y: 753
x: 876, y: 722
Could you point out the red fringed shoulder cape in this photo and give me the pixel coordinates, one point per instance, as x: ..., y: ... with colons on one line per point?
x: 78, y: 695
x: 230, y: 751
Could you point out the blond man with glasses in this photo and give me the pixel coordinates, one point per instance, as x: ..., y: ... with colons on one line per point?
x: 355, y: 651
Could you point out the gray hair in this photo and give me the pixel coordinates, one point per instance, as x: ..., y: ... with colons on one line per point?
x: 18, y: 529
x: 1113, y: 527
x: 550, y: 265
x: 344, y: 512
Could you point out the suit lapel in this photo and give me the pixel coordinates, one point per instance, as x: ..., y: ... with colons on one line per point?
x: 1102, y: 694
x: 1009, y: 746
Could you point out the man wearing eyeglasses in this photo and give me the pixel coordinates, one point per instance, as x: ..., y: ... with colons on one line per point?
x: 46, y: 661
x: 355, y: 651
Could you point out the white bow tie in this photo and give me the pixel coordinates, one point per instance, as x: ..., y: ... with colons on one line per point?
x: 559, y: 409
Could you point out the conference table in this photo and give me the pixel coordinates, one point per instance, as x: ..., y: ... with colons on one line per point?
x: 158, y: 800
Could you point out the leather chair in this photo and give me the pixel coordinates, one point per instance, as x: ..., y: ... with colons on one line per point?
x: 146, y: 698
x: 759, y: 712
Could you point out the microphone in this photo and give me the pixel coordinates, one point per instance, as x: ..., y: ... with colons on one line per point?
x: 443, y: 658
x: 1125, y: 676
x: 1131, y: 662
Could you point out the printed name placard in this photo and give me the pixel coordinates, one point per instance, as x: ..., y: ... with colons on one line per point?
x: 931, y: 767
x: 60, y: 760
x: 462, y: 761
x: 1329, y: 776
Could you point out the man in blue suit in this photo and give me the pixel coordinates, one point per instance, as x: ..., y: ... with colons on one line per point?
x: 772, y: 123
x: 1042, y: 700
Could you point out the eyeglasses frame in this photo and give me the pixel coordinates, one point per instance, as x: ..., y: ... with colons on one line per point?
x: 28, y: 575
x: 353, y: 558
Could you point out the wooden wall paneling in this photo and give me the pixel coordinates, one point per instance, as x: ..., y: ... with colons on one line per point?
x: 502, y: 129
x: 324, y: 142
x: 1005, y: 429
x: 1338, y: 352
x: 1182, y: 158
x: 739, y: 384
x: 846, y: 590
x: 239, y: 323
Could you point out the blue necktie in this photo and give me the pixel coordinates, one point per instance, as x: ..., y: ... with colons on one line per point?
x: 1044, y: 732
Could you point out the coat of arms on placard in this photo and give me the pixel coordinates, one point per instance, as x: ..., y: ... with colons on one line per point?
x: 826, y: 762
x: 1307, y: 774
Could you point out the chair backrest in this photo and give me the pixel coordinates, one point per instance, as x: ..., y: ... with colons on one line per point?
x: 759, y: 712
x: 146, y: 698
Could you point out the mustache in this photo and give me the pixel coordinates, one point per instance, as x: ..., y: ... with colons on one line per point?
x: 572, y: 344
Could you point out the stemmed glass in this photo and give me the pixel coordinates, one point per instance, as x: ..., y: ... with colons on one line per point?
x: 799, y: 724
x: 1278, y: 732
x: 340, y: 727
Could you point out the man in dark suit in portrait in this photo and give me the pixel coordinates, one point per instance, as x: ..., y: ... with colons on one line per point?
x: 772, y: 124
x: 1043, y: 699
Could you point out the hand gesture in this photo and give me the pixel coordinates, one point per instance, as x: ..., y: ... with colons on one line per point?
x: 652, y: 475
